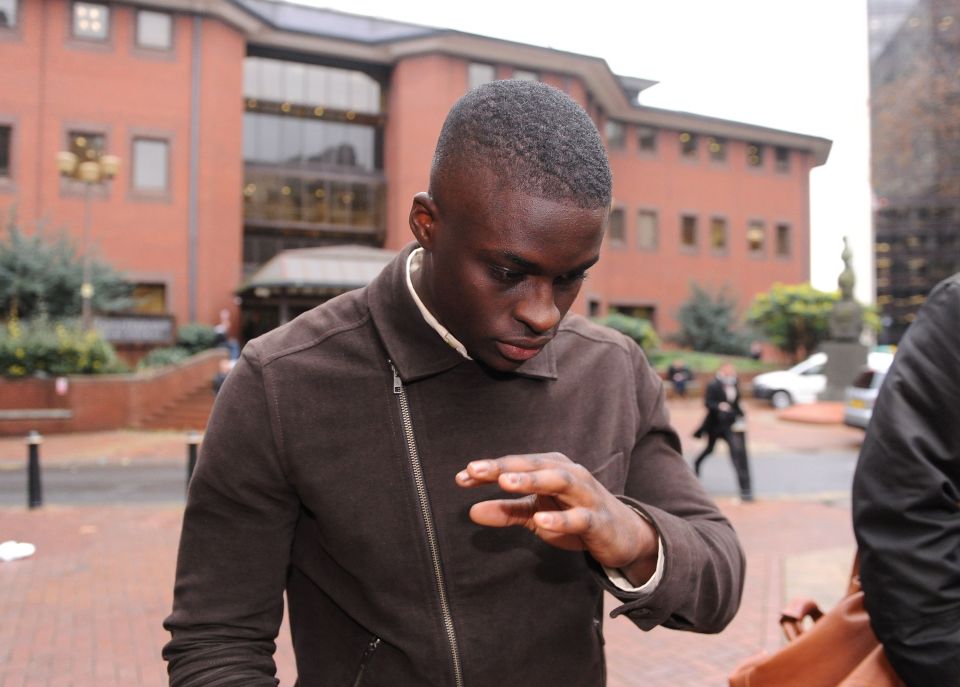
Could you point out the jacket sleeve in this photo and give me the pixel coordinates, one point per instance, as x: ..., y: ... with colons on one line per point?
x: 906, y: 499
x: 235, y: 543
x: 703, y: 563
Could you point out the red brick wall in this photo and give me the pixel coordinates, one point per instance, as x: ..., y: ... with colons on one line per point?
x: 106, y: 401
x: 61, y: 83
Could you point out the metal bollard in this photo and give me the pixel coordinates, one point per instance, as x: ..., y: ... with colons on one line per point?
x: 34, y: 487
x: 193, y: 443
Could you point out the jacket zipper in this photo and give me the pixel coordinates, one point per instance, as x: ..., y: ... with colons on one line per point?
x: 421, y: 485
x: 367, y: 653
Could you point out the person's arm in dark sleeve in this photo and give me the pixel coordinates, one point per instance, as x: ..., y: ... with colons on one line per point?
x: 235, y: 543
x: 703, y: 573
x: 906, y: 499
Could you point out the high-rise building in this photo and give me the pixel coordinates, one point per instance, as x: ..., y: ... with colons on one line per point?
x: 915, y: 150
x: 251, y: 128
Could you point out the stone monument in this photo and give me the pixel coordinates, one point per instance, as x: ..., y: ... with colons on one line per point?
x: 845, y: 354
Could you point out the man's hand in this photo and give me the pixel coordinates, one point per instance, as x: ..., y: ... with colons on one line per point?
x: 567, y: 508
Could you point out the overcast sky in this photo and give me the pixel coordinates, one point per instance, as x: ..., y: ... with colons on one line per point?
x: 798, y: 65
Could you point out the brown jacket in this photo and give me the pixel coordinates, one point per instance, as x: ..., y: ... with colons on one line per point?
x: 324, y: 474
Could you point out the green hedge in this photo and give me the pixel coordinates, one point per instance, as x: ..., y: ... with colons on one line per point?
x: 46, y: 347
x: 638, y: 329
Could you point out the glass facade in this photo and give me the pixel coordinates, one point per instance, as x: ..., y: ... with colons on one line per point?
x: 915, y: 152
x: 312, y: 147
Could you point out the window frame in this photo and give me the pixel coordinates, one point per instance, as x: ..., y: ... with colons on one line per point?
x: 725, y: 248
x: 617, y: 243
x: 654, y: 137
x: 693, y: 247
x: 107, y: 38
x: 781, y: 165
x: 150, y: 193
x: 525, y: 74
x: 73, y: 187
x: 615, y: 143
x: 721, y: 155
x: 760, y: 225
x: 15, y: 26
x: 758, y: 153
x: 139, y: 45
x: 789, y: 241
x: 471, y: 66
x: 6, y: 181
x: 689, y: 147
x: 655, y: 246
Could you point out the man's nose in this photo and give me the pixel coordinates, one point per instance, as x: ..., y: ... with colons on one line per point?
x: 538, y: 308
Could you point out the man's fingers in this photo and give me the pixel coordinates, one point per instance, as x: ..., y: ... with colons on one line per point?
x: 504, y: 512
x: 572, y: 521
x: 486, y: 471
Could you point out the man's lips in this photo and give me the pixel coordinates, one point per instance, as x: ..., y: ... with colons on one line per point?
x: 520, y: 352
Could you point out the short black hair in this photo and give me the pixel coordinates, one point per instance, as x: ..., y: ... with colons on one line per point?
x: 533, y: 137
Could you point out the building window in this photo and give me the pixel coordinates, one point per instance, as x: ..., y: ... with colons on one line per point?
x: 688, y: 231
x: 154, y: 30
x: 150, y: 164
x: 756, y: 233
x: 688, y: 144
x: 646, y: 139
x: 781, y: 158
x: 616, y: 134
x: 525, y: 75
x: 8, y: 13
x: 647, y: 238
x: 479, y: 74
x: 308, y: 90
x: 149, y: 299
x: 616, y: 228
x: 6, y: 138
x: 86, y: 145
x: 755, y: 155
x: 718, y: 149
x: 91, y: 21
x: 718, y: 234
x: 783, y: 240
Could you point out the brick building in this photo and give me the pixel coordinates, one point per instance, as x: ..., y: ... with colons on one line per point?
x: 249, y: 127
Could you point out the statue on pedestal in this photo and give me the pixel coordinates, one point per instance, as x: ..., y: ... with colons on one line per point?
x: 845, y: 354
x: 846, y: 318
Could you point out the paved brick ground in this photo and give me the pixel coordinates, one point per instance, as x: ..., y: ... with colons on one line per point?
x: 86, y: 609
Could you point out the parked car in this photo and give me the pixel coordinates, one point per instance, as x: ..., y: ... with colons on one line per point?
x: 805, y: 381
x: 861, y: 396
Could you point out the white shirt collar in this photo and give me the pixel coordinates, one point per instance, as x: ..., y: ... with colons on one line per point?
x: 414, y: 260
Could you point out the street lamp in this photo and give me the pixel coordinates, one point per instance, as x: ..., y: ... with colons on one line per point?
x: 93, y: 168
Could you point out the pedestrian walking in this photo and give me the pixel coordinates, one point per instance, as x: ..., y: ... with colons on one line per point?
x: 726, y: 420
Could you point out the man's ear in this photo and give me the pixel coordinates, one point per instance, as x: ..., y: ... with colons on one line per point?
x: 424, y: 219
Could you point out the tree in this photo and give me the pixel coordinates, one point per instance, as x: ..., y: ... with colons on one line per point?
x: 710, y: 324
x: 42, y: 275
x: 794, y: 317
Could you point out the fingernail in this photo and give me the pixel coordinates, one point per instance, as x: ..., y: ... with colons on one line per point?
x: 513, y: 480
x: 545, y: 519
x: 463, y: 476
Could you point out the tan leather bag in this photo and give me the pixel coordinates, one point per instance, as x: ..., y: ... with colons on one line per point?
x: 838, y: 650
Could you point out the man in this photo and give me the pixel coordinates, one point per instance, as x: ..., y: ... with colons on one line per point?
x: 724, y: 414
x: 679, y: 375
x: 906, y: 499
x: 372, y: 457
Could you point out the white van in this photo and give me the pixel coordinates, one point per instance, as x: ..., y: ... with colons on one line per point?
x: 805, y: 381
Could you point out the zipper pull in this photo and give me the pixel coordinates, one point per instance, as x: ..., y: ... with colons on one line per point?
x: 397, y: 384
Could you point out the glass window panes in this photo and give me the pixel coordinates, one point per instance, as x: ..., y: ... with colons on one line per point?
x: 91, y: 20
x: 755, y: 237
x: 688, y: 231
x: 6, y: 135
x: 154, y: 30
x: 782, y: 158
x: 755, y: 154
x: 647, y: 238
x: 616, y: 134
x: 8, y: 13
x: 281, y: 81
x: 688, y: 144
x: 616, y: 229
x: 525, y: 75
x: 149, y: 299
x: 479, y: 74
x: 86, y: 145
x: 718, y: 234
x: 646, y: 139
x: 718, y: 149
x: 295, y: 142
x: 783, y: 240
x: 150, y: 164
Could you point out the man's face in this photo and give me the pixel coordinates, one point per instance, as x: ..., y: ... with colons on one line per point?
x: 501, y: 267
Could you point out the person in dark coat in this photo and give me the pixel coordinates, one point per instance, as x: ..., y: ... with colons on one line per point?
x: 906, y: 499
x: 679, y: 375
x: 725, y: 420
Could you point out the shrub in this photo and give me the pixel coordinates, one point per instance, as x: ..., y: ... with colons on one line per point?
x: 196, y: 337
x: 638, y: 329
x: 160, y: 357
x: 47, y: 347
x: 709, y: 323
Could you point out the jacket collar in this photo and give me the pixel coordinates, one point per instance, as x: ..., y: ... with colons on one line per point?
x: 415, y: 348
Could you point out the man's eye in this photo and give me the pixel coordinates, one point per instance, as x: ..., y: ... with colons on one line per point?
x: 505, y: 275
x: 571, y: 279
